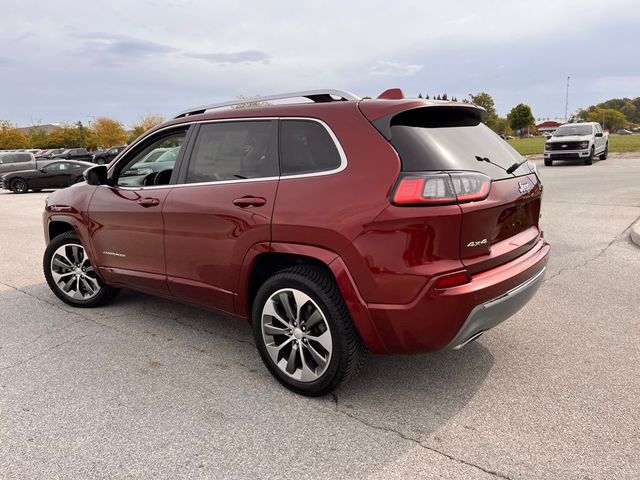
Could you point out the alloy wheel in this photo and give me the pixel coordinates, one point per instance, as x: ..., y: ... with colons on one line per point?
x: 20, y: 186
x: 72, y: 272
x: 296, y: 334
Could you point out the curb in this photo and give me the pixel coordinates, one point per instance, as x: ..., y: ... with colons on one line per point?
x: 635, y: 233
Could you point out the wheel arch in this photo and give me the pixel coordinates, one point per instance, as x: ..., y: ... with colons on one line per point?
x: 264, y: 260
x: 58, y: 227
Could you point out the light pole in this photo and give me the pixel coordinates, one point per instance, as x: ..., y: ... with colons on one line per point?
x: 566, y: 103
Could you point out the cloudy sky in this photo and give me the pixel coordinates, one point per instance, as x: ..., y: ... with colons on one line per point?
x: 65, y: 61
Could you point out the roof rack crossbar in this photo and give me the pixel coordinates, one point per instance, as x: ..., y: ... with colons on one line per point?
x: 317, y: 96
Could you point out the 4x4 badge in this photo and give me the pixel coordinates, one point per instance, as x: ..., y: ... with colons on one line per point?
x: 524, y: 187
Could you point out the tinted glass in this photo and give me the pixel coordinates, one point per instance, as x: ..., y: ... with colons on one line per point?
x: 434, y: 138
x: 21, y: 157
x: 232, y: 151
x: 568, y: 130
x: 135, y: 172
x: 306, y: 147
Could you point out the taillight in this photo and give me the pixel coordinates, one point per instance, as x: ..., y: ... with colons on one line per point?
x: 441, y: 188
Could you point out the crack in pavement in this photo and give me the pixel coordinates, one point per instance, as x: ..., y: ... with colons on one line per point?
x: 49, y: 350
x: 122, y: 332
x: 415, y: 441
x: 593, y: 258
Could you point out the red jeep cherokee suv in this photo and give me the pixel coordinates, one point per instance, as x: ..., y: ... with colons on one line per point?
x: 334, y: 225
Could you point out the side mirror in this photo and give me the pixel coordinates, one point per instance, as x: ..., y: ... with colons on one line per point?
x: 96, y: 175
x: 598, y: 134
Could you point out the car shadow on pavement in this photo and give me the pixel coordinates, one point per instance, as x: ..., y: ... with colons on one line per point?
x: 429, y: 389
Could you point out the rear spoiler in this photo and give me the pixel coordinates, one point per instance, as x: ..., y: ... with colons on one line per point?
x: 383, y: 124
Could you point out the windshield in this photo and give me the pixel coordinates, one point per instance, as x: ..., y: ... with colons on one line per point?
x: 430, y: 139
x: 568, y: 130
x: 153, y: 155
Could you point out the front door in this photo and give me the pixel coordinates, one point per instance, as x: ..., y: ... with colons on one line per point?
x: 126, y: 217
x: 222, y: 207
x: 54, y: 175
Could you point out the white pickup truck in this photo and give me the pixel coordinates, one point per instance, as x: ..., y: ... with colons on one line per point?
x: 577, y: 140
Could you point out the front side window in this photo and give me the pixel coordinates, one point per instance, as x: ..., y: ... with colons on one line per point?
x: 22, y: 158
x: 56, y: 167
x: 233, y: 151
x: 306, y: 147
x: 138, y: 171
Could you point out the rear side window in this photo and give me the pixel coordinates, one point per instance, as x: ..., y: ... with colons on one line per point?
x: 21, y: 157
x: 234, y: 151
x: 306, y: 147
x: 445, y: 139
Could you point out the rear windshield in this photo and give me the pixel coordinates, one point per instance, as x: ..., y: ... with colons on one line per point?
x: 433, y: 138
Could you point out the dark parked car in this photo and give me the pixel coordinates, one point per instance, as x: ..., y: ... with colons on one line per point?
x: 334, y: 227
x: 105, y: 156
x: 49, y: 153
x: 57, y: 174
x: 81, y: 154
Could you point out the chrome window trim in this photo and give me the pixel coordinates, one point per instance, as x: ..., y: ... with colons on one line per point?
x: 340, y: 168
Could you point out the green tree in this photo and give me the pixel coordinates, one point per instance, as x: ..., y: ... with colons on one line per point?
x: 11, y: 137
x: 484, y: 100
x: 608, y: 117
x: 143, y: 124
x: 501, y: 126
x: 107, y: 132
x: 37, y: 138
x: 68, y: 136
x: 521, y: 117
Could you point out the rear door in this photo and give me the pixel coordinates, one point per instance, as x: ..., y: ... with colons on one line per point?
x: 498, y: 228
x: 221, y: 208
x: 126, y: 215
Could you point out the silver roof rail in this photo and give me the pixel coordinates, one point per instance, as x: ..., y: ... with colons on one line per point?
x: 318, y: 96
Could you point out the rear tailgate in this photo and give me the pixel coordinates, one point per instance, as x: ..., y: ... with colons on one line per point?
x: 437, y: 139
x: 502, y: 227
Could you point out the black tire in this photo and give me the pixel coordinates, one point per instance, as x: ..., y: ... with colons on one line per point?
x: 348, y: 351
x: 589, y: 159
x: 104, y: 292
x: 19, y: 185
x: 605, y: 154
x: 548, y: 162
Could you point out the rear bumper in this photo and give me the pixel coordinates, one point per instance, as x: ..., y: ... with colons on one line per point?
x: 491, y: 313
x: 438, y: 319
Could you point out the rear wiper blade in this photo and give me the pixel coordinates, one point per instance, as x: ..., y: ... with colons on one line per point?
x: 488, y: 160
x: 516, y: 166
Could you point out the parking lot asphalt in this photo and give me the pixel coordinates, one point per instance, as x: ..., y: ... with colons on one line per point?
x: 148, y: 388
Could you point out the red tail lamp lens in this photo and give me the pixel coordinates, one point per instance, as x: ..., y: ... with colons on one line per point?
x: 442, y: 188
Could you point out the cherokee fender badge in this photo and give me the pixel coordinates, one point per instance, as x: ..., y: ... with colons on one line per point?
x: 113, y: 254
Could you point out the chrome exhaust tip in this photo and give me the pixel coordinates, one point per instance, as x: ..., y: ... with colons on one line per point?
x: 469, y: 340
